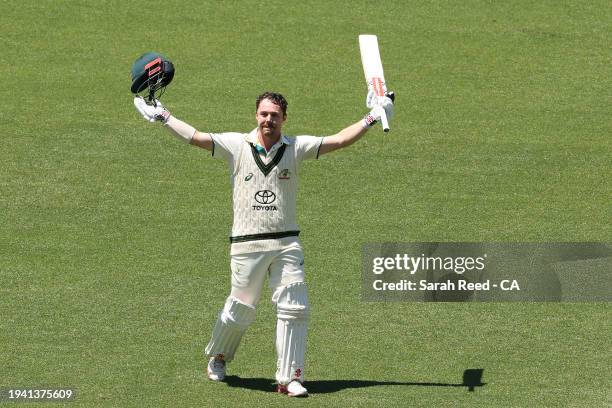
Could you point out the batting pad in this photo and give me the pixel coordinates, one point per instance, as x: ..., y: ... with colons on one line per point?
x: 291, y: 330
x: 232, y: 322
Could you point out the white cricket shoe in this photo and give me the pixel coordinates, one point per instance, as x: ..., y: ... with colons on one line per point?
x: 216, y: 368
x: 293, y: 389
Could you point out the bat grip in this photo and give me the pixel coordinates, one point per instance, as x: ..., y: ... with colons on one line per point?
x: 384, y: 121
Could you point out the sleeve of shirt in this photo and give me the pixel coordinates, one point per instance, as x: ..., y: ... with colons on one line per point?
x: 307, y: 147
x: 226, y: 145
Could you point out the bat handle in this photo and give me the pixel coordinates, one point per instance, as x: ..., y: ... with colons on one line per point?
x: 384, y: 121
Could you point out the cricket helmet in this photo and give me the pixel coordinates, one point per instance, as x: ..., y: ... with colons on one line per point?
x: 151, y: 71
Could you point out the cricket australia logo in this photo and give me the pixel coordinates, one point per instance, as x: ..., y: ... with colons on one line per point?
x: 285, y: 174
x: 266, y: 198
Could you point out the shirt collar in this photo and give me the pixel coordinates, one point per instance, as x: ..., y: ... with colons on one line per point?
x: 252, y: 138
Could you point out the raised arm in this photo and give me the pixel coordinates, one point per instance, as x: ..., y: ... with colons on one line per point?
x: 352, y: 133
x: 345, y: 137
x: 181, y: 130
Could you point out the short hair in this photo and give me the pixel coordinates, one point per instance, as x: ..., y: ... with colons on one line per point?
x: 275, y: 98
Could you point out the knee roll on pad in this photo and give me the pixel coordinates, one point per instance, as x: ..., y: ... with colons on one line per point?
x: 231, y: 324
x: 293, y: 302
x: 237, y: 313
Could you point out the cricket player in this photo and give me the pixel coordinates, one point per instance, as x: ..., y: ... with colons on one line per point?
x: 265, y: 168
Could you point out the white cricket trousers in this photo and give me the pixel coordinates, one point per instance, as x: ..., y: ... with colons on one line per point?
x: 249, y: 271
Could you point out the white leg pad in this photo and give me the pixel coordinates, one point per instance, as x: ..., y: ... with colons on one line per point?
x: 231, y: 324
x: 291, y: 329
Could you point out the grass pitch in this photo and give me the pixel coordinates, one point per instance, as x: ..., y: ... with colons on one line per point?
x: 114, y: 253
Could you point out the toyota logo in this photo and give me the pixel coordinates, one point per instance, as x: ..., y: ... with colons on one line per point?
x: 265, y: 197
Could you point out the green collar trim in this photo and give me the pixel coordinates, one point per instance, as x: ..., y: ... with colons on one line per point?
x: 267, y: 168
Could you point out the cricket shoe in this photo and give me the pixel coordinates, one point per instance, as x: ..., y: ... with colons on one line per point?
x: 293, y: 389
x: 216, y: 368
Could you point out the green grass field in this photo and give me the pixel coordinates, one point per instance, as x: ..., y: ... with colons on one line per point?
x: 114, y: 257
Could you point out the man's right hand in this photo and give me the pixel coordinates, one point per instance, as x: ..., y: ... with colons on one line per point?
x: 149, y: 112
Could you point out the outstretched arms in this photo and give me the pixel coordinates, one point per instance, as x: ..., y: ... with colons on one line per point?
x: 183, y: 131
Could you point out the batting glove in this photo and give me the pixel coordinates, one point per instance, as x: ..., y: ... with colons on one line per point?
x: 379, y: 104
x: 151, y: 113
x: 373, y: 100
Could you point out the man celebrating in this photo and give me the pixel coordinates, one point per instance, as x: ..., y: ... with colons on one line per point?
x: 265, y: 166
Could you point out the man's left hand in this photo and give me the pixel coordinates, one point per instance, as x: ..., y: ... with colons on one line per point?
x: 378, y: 104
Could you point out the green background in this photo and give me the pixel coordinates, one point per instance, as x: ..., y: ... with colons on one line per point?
x: 113, y: 247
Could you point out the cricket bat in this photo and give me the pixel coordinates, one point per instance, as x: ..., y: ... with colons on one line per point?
x: 373, y: 70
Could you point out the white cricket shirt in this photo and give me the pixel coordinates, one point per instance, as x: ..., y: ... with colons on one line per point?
x: 264, y: 188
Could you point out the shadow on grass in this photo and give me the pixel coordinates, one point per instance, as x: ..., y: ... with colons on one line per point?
x: 472, y: 378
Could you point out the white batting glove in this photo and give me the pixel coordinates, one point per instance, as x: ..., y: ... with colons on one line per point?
x: 151, y: 113
x: 371, y: 98
x: 379, y: 104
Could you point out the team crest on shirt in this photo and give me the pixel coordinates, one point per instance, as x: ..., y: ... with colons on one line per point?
x: 285, y: 174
